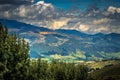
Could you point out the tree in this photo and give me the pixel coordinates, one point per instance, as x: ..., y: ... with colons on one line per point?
x: 14, y: 57
x: 15, y: 63
x: 81, y: 72
x: 3, y: 55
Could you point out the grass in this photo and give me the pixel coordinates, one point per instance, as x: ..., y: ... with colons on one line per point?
x: 101, y: 64
x: 107, y: 73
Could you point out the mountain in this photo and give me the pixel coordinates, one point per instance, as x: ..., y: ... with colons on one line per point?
x: 67, y: 45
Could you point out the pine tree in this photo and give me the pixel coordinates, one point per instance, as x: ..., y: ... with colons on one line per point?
x: 3, y: 55
x: 14, y: 57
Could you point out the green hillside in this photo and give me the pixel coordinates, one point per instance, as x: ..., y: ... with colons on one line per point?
x: 67, y: 45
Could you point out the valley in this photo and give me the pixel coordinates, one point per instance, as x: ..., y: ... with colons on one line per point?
x: 67, y: 45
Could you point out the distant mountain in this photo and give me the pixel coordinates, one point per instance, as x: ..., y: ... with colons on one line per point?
x: 66, y: 44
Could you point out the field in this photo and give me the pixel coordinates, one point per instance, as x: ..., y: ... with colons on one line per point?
x: 108, y: 72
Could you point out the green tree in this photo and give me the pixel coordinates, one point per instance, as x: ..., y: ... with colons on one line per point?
x: 3, y: 55
x: 81, y: 72
x: 14, y: 57
x: 39, y: 68
x: 15, y: 63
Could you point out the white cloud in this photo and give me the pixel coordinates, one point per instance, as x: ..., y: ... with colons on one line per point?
x: 40, y: 2
x: 58, y: 23
x: 22, y: 11
x: 101, y: 29
x: 101, y: 21
x: 6, y: 13
x: 43, y: 3
x: 118, y: 10
x: 84, y: 27
x: 110, y: 12
x: 113, y: 9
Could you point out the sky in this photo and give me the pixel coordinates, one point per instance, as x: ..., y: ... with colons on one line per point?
x: 88, y: 16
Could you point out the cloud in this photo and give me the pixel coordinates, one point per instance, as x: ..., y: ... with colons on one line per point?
x: 43, y: 3
x: 39, y: 10
x: 112, y: 12
x: 94, y: 25
x: 58, y: 23
x: 84, y: 27
x: 103, y: 29
x: 92, y: 20
x: 113, y: 9
x: 16, y: 2
x: 102, y: 21
x: 116, y: 30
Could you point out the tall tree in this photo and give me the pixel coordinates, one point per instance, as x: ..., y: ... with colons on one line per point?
x: 14, y: 57
x: 3, y: 55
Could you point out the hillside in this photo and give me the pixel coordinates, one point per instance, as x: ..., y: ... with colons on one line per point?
x: 100, y: 64
x: 107, y: 73
x: 68, y: 45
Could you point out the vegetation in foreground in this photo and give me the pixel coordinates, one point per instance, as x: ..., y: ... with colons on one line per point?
x: 15, y: 63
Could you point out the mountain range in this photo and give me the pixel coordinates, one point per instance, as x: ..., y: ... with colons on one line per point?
x: 70, y: 45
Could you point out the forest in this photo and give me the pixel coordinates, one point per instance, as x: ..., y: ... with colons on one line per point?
x: 15, y: 63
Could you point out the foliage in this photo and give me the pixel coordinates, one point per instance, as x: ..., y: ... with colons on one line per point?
x: 57, y: 70
x: 15, y: 63
x: 14, y: 57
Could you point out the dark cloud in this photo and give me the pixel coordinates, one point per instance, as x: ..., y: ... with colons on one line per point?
x: 36, y: 11
x: 84, y: 16
x: 92, y: 7
x: 15, y: 2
